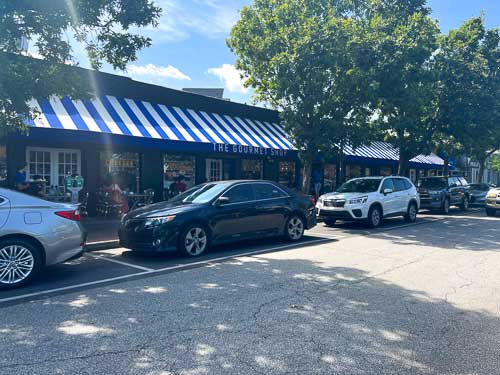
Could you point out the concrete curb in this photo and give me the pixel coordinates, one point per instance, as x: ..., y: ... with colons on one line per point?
x: 102, y: 245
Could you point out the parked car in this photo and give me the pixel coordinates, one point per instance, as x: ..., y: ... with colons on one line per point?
x: 215, y: 213
x: 478, y: 193
x: 35, y: 233
x: 439, y: 193
x: 370, y: 199
x: 493, y: 201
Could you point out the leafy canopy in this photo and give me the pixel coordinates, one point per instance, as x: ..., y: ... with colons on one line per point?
x: 104, y: 27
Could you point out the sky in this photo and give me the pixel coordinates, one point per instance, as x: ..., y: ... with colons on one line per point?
x: 189, y: 49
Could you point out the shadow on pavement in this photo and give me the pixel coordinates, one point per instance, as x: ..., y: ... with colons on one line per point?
x: 251, y: 316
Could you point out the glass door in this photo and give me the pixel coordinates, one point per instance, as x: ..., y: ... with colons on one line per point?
x: 213, y: 170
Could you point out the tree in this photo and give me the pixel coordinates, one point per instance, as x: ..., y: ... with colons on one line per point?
x: 310, y: 60
x: 494, y: 163
x: 102, y: 26
x: 467, y: 101
x: 406, y: 38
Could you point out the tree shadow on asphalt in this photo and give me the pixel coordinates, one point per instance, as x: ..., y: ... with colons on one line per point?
x: 257, y: 315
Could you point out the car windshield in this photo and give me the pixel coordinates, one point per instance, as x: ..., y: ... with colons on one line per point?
x: 366, y: 185
x: 433, y: 183
x: 200, y: 194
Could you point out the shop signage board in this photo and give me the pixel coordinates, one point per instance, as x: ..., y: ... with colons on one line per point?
x: 248, y: 150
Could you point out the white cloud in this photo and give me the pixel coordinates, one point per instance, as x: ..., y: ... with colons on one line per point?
x: 154, y: 71
x: 231, y: 77
x: 181, y: 19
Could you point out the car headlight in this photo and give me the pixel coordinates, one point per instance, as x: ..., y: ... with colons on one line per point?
x: 492, y: 194
x: 358, y: 200
x: 155, y: 221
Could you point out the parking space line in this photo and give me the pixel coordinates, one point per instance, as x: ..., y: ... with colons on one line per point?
x: 154, y: 272
x: 108, y: 259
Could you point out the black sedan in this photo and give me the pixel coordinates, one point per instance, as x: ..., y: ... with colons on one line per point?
x: 215, y: 213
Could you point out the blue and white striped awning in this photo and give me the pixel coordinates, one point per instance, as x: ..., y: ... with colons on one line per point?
x: 121, y: 116
x: 383, y: 150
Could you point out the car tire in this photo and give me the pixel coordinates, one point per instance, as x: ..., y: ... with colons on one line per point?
x: 374, y: 217
x: 294, y: 228
x: 490, y: 212
x: 411, y: 213
x: 445, y: 207
x: 20, y: 263
x: 464, y: 206
x: 330, y: 222
x: 194, y: 240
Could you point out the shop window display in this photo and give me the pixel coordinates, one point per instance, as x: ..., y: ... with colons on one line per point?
x: 287, y: 174
x: 252, y: 169
x: 178, y: 174
x: 121, y: 169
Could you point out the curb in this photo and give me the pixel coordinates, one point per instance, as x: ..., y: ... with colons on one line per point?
x: 102, y: 245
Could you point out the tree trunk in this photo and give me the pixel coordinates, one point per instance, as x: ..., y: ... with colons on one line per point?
x: 446, y: 167
x: 403, y: 164
x: 482, y: 165
x: 306, y: 174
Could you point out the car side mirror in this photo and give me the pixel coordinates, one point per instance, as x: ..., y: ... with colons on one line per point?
x: 221, y: 201
x: 387, y: 191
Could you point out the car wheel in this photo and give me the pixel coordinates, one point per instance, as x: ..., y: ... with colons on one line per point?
x: 445, y: 209
x: 20, y: 262
x: 374, y: 217
x: 294, y: 229
x: 194, y: 240
x: 490, y: 212
x: 465, y: 204
x: 411, y: 213
x: 330, y: 222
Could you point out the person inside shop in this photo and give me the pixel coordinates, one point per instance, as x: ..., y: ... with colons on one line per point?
x: 36, y: 187
x: 20, y: 182
x: 115, y: 193
x: 316, y: 180
x: 180, y: 184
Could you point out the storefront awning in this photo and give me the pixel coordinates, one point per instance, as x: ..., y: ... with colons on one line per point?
x: 385, y: 151
x: 121, y: 116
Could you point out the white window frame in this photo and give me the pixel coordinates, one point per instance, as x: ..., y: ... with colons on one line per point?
x: 54, y: 161
x: 208, y: 169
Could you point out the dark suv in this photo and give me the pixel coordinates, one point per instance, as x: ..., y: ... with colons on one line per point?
x: 439, y: 193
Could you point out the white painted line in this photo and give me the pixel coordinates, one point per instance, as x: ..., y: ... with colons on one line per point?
x: 103, y: 257
x: 158, y: 271
x: 70, y: 287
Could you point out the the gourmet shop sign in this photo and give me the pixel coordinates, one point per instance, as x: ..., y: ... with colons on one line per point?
x: 248, y: 150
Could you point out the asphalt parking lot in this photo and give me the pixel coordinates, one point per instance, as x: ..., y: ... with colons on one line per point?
x: 107, y: 267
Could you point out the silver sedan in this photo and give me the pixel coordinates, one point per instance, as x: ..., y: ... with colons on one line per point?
x: 35, y: 233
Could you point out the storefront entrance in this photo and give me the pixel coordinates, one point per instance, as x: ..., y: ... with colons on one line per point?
x: 213, y: 170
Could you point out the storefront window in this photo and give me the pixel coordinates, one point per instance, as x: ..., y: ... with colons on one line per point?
x: 252, y: 169
x: 368, y: 172
x: 178, y: 173
x: 3, y: 165
x: 352, y: 171
x: 385, y: 171
x: 287, y: 173
x: 330, y: 178
x: 122, y: 169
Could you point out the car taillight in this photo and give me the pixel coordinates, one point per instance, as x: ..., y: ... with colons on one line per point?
x: 70, y: 215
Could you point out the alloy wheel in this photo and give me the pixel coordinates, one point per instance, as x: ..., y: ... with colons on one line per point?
x: 412, y: 212
x: 16, y: 264
x: 295, y: 228
x: 375, y: 218
x: 196, y: 241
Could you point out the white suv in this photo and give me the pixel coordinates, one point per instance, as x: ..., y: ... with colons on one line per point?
x: 370, y: 199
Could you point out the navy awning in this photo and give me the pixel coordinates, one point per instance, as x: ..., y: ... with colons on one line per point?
x: 121, y: 116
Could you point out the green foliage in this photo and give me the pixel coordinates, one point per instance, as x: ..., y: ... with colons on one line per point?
x: 494, y: 163
x: 467, y: 96
x: 104, y: 27
x: 307, y: 59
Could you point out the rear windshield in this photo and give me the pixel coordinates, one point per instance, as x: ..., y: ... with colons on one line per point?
x: 433, y: 183
x: 360, y: 185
